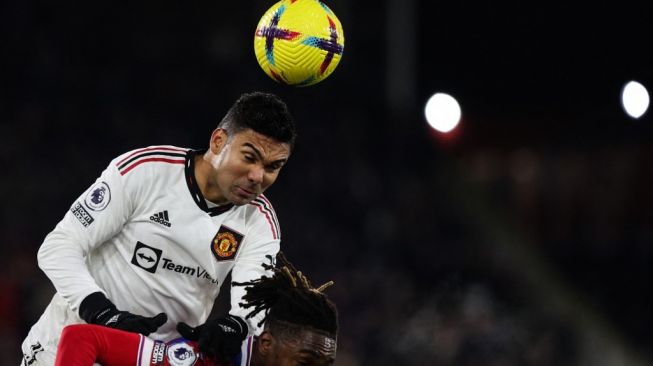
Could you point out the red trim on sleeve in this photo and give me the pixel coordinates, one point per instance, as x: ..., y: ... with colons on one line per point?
x: 163, y: 160
x: 150, y: 149
x: 267, y: 216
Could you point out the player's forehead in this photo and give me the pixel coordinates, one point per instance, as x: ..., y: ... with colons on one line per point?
x: 318, y: 347
x: 267, y: 146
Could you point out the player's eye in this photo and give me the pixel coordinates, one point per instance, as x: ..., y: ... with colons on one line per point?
x: 249, y: 158
x: 273, y: 167
x: 305, y: 360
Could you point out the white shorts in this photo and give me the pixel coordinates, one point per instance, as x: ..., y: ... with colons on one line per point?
x: 40, y: 345
x: 35, y: 355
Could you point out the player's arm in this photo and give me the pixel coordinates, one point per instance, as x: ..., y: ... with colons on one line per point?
x: 248, y: 267
x: 87, y: 344
x: 95, y: 217
x: 261, y: 245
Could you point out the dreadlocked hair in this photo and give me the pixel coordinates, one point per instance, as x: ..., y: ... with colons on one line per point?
x: 287, y: 297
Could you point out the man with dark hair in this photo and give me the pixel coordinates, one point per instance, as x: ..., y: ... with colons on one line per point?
x: 301, y: 327
x: 151, y: 241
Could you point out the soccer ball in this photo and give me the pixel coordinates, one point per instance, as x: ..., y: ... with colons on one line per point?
x: 299, y: 42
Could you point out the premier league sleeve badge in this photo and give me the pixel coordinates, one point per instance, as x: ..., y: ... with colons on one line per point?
x: 98, y: 196
x: 181, y: 353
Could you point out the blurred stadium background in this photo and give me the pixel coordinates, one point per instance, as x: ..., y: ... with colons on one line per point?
x: 523, y: 237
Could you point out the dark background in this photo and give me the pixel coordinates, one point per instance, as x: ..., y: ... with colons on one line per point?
x: 522, y: 238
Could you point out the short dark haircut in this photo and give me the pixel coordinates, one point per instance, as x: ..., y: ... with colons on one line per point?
x: 290, y: 301
x: 264, y: 113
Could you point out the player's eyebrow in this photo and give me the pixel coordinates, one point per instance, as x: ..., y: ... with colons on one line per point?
x: 256, y: 151
x: 259, y: 155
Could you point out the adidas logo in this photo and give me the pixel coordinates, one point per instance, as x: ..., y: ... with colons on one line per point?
x: 161, y: 218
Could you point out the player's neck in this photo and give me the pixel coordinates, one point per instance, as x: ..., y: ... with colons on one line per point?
x: 211, y: 192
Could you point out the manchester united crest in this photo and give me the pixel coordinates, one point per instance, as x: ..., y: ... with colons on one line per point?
x: 226, y: 243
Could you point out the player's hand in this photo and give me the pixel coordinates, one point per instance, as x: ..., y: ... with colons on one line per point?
x: 97, y: 309
x: 219, y: 338
x: 131, y: 322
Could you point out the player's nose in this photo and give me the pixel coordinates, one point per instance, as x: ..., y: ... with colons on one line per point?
x: 256, y: 174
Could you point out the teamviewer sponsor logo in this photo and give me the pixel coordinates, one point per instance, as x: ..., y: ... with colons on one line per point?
x: 162, y: 218
x: 198, y: 272
x: 146, y: 257
x: 149, y: 258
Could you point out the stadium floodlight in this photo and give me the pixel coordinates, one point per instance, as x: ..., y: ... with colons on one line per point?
x: 634, y: 99
x: 442, y: 112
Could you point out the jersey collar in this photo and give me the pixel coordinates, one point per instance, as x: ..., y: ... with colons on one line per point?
x: 194, y: 189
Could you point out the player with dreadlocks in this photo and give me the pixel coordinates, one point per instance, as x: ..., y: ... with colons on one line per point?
x: 301, y: 327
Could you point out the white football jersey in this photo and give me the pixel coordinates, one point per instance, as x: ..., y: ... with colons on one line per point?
x: 144, y: 235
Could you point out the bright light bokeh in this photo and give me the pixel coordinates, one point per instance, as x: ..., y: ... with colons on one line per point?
x: 634, y: 99
x: 442, y: 112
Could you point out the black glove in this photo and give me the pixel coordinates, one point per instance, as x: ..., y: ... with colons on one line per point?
x: 219, y: 338
x: 97, y: 309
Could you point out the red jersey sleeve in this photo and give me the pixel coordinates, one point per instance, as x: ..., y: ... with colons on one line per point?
x: 86, y: 344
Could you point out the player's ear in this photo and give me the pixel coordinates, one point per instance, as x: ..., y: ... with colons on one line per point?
x: 219, y: 139
x: 264, y: 344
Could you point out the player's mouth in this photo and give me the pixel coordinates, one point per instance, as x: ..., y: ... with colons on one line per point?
x: 245, y: 193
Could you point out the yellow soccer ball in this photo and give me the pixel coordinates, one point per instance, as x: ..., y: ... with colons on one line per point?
x: 299, y: 42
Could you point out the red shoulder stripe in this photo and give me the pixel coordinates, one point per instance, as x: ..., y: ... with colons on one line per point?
x: 260, y: 207
x: 165, y: 148
x: 267, y: 206
x: 164, y: 160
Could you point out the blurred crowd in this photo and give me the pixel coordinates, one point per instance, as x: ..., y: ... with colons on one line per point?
x: 493, y: 256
